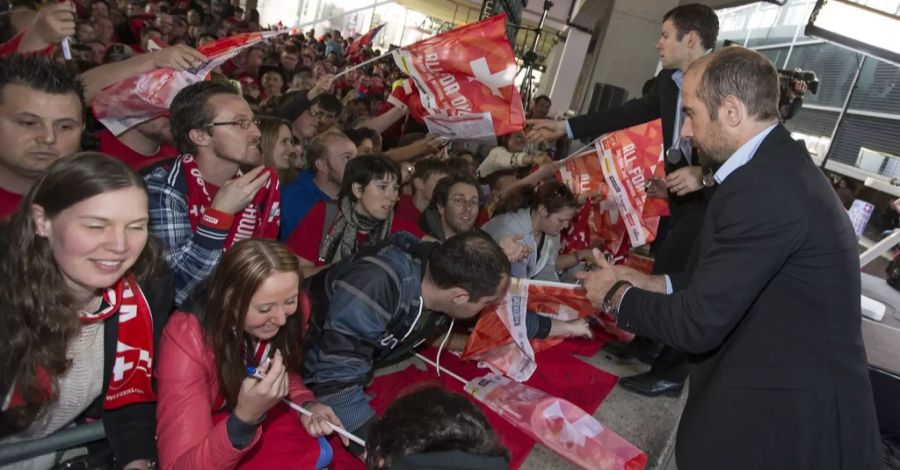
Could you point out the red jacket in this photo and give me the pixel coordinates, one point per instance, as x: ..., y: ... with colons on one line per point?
x: 188, y: 387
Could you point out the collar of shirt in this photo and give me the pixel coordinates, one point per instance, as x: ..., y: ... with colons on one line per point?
x: 678, y: 77
x: 742, y: 155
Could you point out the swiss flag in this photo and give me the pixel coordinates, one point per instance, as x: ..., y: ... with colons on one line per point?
x: 466, y: 72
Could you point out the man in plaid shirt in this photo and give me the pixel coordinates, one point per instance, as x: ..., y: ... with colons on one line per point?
x: 198, y: 207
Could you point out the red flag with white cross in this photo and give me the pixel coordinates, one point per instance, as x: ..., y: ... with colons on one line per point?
x: 465, y: 79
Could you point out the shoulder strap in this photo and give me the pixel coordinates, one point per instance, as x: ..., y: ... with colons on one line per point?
x: 331, y: 211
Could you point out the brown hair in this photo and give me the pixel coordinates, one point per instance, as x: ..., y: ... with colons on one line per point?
x: 269, y: 127
x: 38, y: 319
x: 243, y: 269
x: 553, y: 195
x: 743, y: 73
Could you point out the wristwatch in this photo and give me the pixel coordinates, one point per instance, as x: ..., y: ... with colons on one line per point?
x: 607, y: 306
x: 707, y: 179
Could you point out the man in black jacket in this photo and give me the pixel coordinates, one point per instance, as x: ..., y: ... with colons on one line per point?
x: 768, y: 308
x: 688, y: 32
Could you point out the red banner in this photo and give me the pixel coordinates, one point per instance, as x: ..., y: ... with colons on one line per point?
x: 614, y: 175
x: 464, y: 73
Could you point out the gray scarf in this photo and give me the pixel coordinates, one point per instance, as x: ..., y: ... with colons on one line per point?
x: 341, y: 239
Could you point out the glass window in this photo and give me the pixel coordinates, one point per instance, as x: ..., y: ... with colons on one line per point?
x: 833, y: 65
x: 878, y: 89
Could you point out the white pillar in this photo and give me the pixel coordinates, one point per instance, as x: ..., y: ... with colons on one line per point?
x: 568, y: 68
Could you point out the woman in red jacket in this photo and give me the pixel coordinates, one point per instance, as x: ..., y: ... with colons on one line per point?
x: 211, y: 414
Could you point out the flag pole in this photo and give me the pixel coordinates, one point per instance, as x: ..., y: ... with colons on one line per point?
x: 361, y: 64
x: 339, y: 430
x: 451, y: 374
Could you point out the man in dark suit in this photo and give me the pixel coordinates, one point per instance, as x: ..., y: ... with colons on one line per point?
x: 768, y: 308
x: 688, y: 32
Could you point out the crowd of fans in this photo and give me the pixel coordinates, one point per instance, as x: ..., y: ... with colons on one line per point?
x: 284, y: 215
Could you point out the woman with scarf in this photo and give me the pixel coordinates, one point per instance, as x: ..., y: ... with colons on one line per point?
x: 362, y: 216
x: 82, y: 304
x: 212, y: 412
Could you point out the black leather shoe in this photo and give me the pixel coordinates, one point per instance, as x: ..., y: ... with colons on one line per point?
x: 650, y: 386
x: 639, y: 349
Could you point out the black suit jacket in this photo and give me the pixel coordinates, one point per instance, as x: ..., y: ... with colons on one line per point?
x: 769, y: 312
x: 660, y: 101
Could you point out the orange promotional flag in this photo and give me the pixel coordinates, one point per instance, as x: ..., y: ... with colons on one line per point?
x: 465, y: 80
x: 500, y: 340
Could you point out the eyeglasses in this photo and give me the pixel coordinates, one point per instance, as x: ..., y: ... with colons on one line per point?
x: 318, y: 114
x: 462, y: 203
x: 243, y: 123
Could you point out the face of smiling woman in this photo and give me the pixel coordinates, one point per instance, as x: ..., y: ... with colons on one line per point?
x: 95, y: 241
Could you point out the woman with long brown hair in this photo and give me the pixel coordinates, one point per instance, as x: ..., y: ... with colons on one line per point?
x: 211, y: 413
x: 277, y: 147
x: 539, y: 214
x: 82, y: 303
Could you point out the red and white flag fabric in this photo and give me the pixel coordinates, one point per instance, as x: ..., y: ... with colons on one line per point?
x: 465, y: 81
x: 500, y: 339
x: 614, y: 174
x: 138, y: 99
x: 557, y: 423
x: 364, y: 40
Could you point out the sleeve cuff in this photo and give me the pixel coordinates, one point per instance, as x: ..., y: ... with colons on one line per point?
x: 216, y: 219
x: 669, y: 288
x: 569, y: 130
x: 537, y: 326
x: 240, y: 434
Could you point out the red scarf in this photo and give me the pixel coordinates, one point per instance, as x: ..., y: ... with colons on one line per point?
x: 260, y: 219
x: 133, y: 366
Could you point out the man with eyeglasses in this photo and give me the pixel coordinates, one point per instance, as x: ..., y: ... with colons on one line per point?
x: 326, y: 109
x: 204, y: 203
x: 454, y: 210
x: 688, y: 32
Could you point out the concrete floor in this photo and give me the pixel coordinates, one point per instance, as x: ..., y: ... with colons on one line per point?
x: 647, y: 423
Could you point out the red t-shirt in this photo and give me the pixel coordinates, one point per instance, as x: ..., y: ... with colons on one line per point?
x: 9, y: 202
x: 112, y: 146
x: 407, y: 210
x: 307, y: 237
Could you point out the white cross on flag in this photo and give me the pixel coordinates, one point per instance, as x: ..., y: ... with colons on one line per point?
x: 465, y: 79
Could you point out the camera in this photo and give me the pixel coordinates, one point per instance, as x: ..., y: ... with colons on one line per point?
x: 788, y: 77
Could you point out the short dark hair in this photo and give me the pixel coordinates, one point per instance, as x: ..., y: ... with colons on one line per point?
x: 430, y: 420
x: 360, y: 134
x: 427, y: 167
x: 442, y: 188
x: 695, y: 17
x: 329, y: 103
x: 40, y: 73
x: 365, y: 169
x: 318, y: 147
x: 190, y: 110
x: 543, y: 98
x: 472, y: 261
x: 743, y: 73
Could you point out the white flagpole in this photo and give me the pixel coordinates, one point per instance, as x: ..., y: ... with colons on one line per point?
x: 451, y: 374
x: 337, y: 429
x: 363, y: 63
